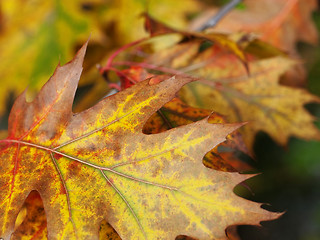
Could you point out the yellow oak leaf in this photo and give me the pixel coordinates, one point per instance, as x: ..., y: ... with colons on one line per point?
x: 258, y: 99
x: 98, y: 165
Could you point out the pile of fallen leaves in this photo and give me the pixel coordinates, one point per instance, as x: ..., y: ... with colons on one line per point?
x: 159, y: 159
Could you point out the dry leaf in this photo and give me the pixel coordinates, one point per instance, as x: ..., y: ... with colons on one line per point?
x: 259, y: 98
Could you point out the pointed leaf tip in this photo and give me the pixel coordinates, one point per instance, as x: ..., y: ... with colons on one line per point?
x: 82, y: 52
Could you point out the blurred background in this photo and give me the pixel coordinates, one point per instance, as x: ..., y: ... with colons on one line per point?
x: 35, y: 35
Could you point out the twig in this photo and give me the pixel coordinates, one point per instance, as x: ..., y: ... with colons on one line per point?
x: 221, y: 13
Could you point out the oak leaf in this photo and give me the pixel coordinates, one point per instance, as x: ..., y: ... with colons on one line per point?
x: 98, y: 165
x: 259, y: 98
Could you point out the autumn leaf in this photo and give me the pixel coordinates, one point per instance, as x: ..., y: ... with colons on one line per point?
x: 98, y: 165
x: 259, y: 98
